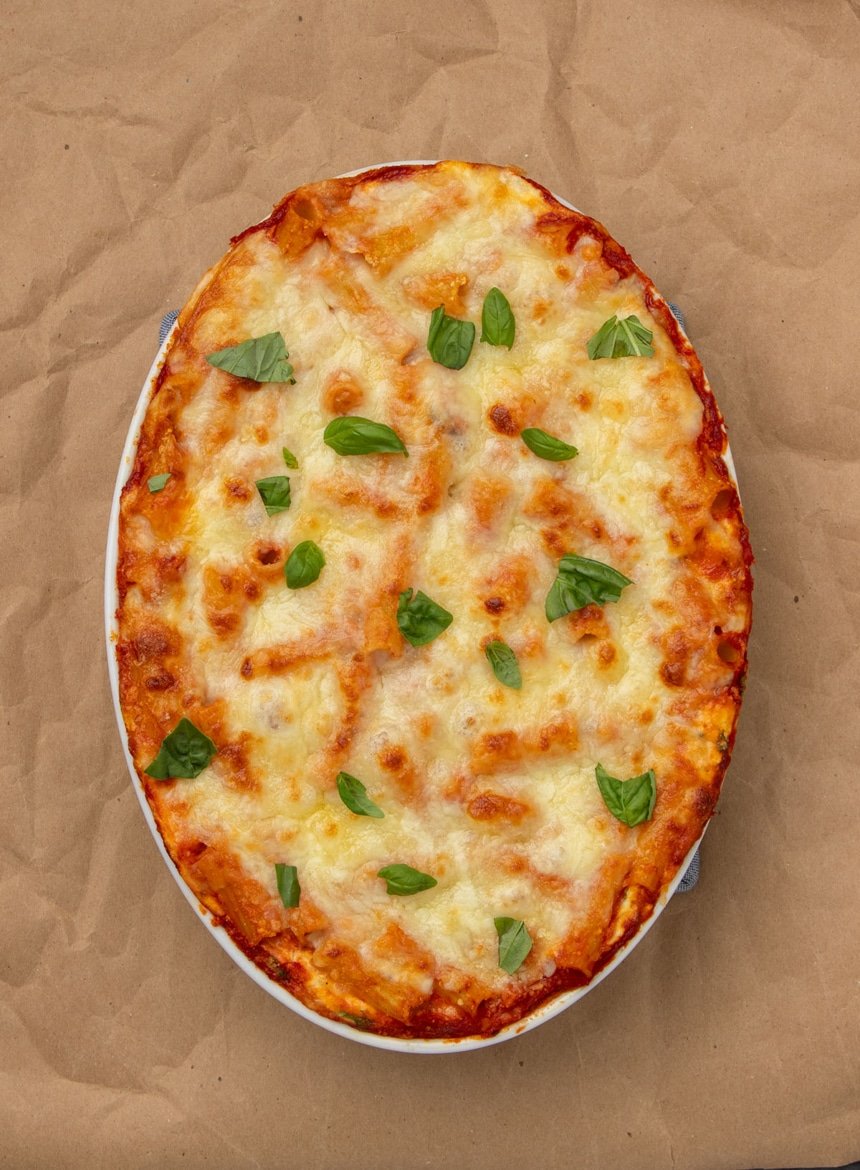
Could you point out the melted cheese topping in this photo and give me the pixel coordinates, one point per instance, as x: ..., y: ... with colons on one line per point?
x: 490, y: 790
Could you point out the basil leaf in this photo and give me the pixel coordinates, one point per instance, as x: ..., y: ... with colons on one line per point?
x: 184, y: 753
x: 361, y: 1022
x: 275, y: 493
x: 546, y: 446
x: 287, y: 877
x: 262, y: 359
x: 354, y: 796
x: 420, y: 619
x: 582, y: 581
x: 497, y: 320
x: 563, y: 598
x: 351, y: 435
x: 514, y: 943
x: 156, y: 482
x: 304, y: 565
x: 630, y: 801
x: 403, y: 880
x: 450, y: 340
x: 621, y: 337
x: 289, y: 458
x: 504, y: 663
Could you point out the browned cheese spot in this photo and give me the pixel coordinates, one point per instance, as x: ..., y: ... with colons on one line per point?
x: 564, y: 514
x: 266, y: 553
x: 342, y: 393
x: 509, y: 585
x: 493, y: 806
x: 487, y: 494
x: 395, y: 760
x: 235, y: 758
x: 676, y: 649
x: 588, y: 622
x: 236, y: 490
x: 502, y: 420
x: 559, y: 735
x: 493, y: 748
x: 151, y: 642
x: 606, y: 654
x: 227, y: 592
x: 438, y: 288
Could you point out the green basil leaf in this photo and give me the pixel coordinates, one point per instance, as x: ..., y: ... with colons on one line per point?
x: 287, y: 877
x: 156, y: 482
x: 184, y: 753
x: 351, y: 435
x: 262, y: 359
x: 354, y: 796
x: 514, y: 943
x: 289, y: 458
x: 546, y: 446
x: 277, y: 969
x: 504, y: 663
x: 630, y: 801
x: 403, y: 880
x: 361, y: 1022
x: 563, y: 598
x: 497, y: 320
x: 450, y: 340
x: 621, y: 337
x: 304, y: 565
x: 275, y: 493
x: 420, y: 619
x: 582, y: 581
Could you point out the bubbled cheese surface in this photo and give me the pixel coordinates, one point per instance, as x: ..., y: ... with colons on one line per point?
x: 491, y: 790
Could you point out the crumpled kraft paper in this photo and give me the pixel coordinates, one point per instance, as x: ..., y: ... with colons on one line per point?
x: 720, y: 143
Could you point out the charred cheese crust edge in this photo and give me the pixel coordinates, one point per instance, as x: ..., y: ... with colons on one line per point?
x: 644, y: 888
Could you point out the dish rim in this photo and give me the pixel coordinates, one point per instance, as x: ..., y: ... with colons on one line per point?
x: 541, y: 1014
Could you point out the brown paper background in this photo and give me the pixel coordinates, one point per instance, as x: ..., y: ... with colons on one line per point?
x: 720, y: 142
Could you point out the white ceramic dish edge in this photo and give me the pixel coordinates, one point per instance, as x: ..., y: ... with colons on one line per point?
x: 392, y: 1044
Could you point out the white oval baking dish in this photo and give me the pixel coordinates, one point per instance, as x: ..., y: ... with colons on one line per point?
x: 393, y: 1044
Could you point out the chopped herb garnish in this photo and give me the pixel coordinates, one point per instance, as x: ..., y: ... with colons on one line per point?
x: 504, y: 663
x: 156, y: 482
x: 580, y: 582
x: 547, y: 446
x: 184, y: 753
x: 304, y: 565
x: 497, y: 319
x: 361, y: 1022
x: 354, y: 796
x: 403, y: 880
x: 421, y: 620
x: 262, y: 359
x: 630, y: 801
x: 287, y: 877
x: 450, y: 340
x: 621, y: 337
x: 514, y: 943
x: 275, y: 493
x: 351, y: 435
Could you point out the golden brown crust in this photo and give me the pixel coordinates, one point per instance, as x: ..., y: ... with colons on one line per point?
x: 698, y: 640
